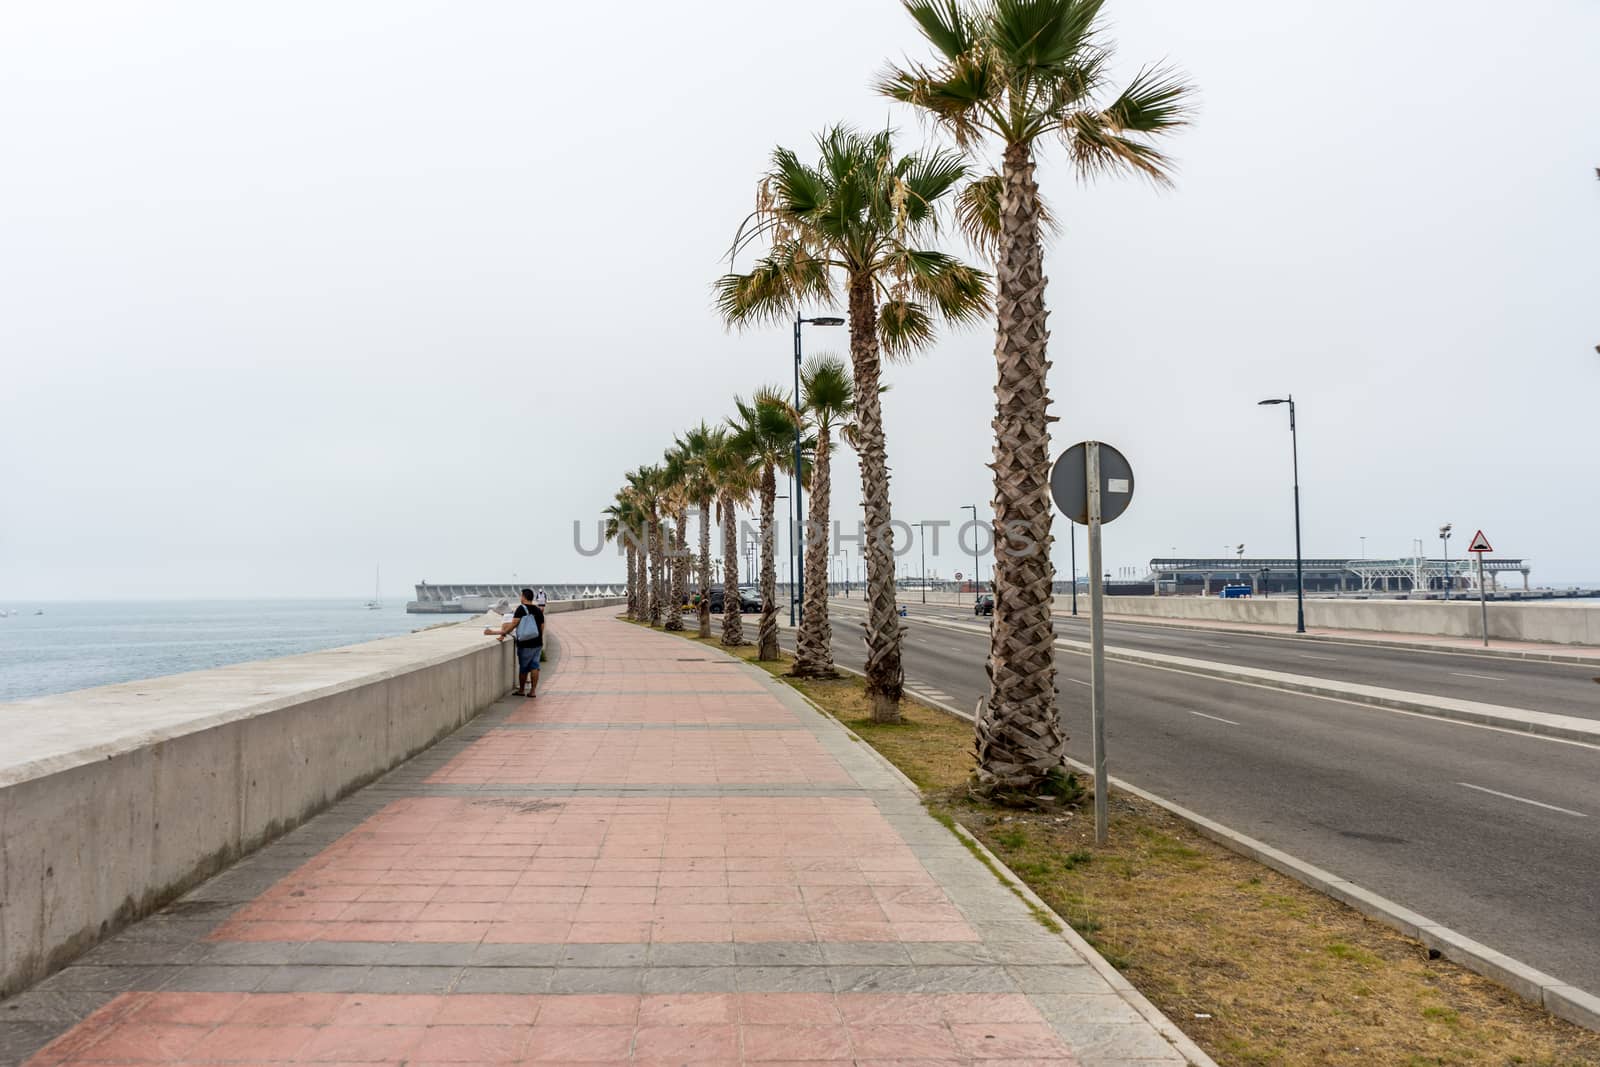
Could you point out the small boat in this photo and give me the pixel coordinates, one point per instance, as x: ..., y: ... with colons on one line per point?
x: 376, y: 603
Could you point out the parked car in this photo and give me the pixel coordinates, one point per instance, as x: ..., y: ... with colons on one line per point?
x: 984, y: 605
x: 749, y: 599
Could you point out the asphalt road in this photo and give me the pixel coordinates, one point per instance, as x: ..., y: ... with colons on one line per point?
x: 1567, y: 689
x: 1496, y: 834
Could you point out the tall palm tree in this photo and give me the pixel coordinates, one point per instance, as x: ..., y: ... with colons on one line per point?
x: 698, y: 487
x: 1016, y: 72
x: 624, y: 524
x: 764, y: 428
x: 674, y: 477
x: 731, y: 474
x: 645, y: 485
x: 859, y: 220
x: 827, y: 402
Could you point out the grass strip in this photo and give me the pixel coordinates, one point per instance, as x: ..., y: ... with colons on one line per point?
x: 1258, y: 969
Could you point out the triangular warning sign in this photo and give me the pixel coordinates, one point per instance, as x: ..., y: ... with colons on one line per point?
x: 1480, y: 543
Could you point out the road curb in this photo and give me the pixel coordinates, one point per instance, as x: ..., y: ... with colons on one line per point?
x: 1517, y: 720
x: 1559, y: 998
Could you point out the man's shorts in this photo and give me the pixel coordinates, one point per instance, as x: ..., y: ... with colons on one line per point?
x: 528, y: 658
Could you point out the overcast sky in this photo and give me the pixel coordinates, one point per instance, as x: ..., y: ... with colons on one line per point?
x: 290, y: 290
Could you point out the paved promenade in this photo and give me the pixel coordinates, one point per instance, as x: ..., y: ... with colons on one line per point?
x: 666, y: 858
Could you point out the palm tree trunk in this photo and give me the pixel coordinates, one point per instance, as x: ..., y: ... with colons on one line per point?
x: 885, y: 676
x: 767, y: 634
x: 680, y: 573
x: 814, y: 642
x: 1020, y: 743
x: 633, y: 578
x: 655, y: 577
x: 732, y: 617
x: 705, y: 566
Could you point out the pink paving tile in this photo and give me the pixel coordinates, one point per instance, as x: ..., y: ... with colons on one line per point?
x: 687, y: 1044
x: 637, y: 757
x: 788, y: 1009
x: 682, y: 1009
x: 1008, y: 1041
x: 255, y: 1043
x: 579, y: 1044
x: 929, y: 1041
x: 792, y: 1042
x: 510, y: 870
x: 473, y: 1044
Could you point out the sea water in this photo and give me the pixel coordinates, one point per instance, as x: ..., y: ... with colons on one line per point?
x: 74, y: 645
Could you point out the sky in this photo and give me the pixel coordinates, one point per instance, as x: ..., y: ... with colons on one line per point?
x: 291, y: 291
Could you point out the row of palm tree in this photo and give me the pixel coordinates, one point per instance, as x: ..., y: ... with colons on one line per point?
x: 1005, y: 78
x: 736, y: 465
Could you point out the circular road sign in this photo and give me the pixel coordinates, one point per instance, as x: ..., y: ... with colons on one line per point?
x: 1069, y: 483
x: 958, y: 576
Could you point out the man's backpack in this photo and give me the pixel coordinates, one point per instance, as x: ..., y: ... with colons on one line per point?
x: 527, y: 627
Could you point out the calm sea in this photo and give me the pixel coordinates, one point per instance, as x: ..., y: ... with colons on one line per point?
x: 77, y: 645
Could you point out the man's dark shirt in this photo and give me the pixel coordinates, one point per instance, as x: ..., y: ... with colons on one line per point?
x: 538, y: 617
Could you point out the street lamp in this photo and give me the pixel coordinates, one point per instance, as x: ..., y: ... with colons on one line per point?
x: 974, y: 509
x: 785, y: 496
x: 1444, y: 535
x: 797, y: 550
x: 922, y: 547
x: 1299, y: 568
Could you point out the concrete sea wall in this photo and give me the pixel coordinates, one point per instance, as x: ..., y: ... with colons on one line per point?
x: 115, y: 800
x: 1562, y: 624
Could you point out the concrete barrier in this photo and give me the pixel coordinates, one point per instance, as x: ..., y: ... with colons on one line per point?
x: 115, y: 800
x: 1562, y: 624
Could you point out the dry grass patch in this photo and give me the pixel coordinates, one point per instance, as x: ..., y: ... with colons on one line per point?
x: 1257, y: 968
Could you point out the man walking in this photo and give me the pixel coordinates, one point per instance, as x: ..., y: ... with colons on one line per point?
x: 526, y: 628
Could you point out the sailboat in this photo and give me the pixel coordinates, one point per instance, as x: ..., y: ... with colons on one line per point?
x: 376, y: 603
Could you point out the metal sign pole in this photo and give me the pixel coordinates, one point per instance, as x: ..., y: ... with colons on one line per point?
x: 1483, y: 601
x: 1097, y: 649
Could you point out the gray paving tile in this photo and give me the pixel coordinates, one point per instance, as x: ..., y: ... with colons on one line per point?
x: 1116, y: 1045
x: 778, y: 954
x: 348, y: 953
x: 597, y: 980
x: 688, y: 954
x: 784, y: 979
x: 866, y: 953
x: 601, y: 955
x: 236, y: 952
x: 123, y: 951
x: 487, y: 955
x: 1058, y: 980
x: 691, y: 979
x: 408, y: 980
x: 949, y: 952
x: 89, y: 979
x: 1070, y: 1011
x: 209, y: 979
x: 46, y: 1007
x: 18, y: 1041
x: 505, y: 980
x: 299, y: 978
x: 1048, y: 949
x: 438, y: 954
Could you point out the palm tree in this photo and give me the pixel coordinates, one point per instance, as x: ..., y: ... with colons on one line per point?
x: 764, y: 429
x: 828, y: 400
x: 695, y: 445
x: 1018, y: 71
x: 731, y: 474
x: 624, y: 523
x: 645, y: 485
x: 860, y: 217
x: 674, y: 477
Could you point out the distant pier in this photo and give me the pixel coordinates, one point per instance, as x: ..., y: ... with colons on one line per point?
x: 474, y: 599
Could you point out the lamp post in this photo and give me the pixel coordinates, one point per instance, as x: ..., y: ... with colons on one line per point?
x: 785, y: 496
x: 1072, y: 542
x: 797, y: 551
x: 1444, y: 535
x: 922, y: 547
x: 1299, y: 567
x: 975, y: 584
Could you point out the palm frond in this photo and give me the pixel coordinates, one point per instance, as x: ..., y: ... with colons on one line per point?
x: 1097, y: 148
x: 904, y: 326
x: 1158, y: 99
x: 782, y: 280
x: 945, y: 25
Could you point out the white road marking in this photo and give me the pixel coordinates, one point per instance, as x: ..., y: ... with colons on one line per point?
x: 1307, y: 655
x: 1524, y: 800
x: 1217, y: 718
x: 1485, y: 677
x: 1080, y: 681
